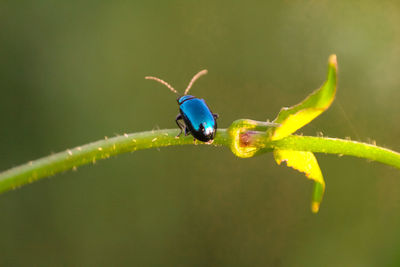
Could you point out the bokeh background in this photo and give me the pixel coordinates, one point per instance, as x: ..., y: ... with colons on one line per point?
x: 72, y: 72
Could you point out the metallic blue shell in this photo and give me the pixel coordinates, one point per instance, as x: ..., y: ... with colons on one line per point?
x: 184, y: 98
x: 198, y: 118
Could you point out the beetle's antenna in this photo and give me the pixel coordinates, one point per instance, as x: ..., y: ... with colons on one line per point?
x: 195, y: 77
x: 162, y: 82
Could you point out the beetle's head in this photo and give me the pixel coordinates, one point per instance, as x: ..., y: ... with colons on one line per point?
x: 208, y: 131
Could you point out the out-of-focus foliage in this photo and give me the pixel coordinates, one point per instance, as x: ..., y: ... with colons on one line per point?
x: 72, y: 72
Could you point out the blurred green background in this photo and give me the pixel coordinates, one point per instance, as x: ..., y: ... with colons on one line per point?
x: 72, y: 72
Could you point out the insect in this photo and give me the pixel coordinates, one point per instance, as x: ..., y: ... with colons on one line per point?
x: 194, y: 117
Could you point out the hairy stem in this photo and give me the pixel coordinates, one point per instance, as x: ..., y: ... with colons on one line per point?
x: 90, y: 153
x: 337, y: 146
x: 72, y: 158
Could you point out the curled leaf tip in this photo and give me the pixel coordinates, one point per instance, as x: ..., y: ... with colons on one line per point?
x: 315, y: 207
x: 333, y: 61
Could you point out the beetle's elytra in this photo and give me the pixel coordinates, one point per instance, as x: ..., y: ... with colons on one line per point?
x: 194, y: 117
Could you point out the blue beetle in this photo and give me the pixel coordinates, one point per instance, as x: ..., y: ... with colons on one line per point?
x: 194, y: 117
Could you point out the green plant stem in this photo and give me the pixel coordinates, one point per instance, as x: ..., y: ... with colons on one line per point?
x: 337, y: 146
x: 90, y: 153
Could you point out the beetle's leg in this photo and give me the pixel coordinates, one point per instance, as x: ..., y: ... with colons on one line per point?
x: 187, y: 132
x: 180, y: 125
x: 215, y: 115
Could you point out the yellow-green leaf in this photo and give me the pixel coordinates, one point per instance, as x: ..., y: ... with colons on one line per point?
x: 295, y: 117
x: 305, y: 162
